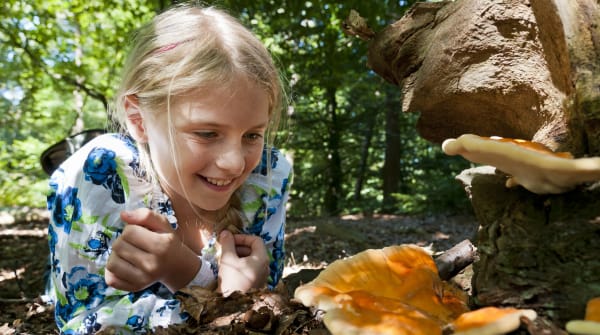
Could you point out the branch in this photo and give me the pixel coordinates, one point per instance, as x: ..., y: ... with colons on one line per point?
x: 89, y: 91
x: 455, y: 259
x: 55, y: 76
x: 356, y: 25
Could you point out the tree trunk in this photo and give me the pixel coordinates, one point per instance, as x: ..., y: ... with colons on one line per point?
x: 526, y: 69
x: 520, y: 68
x: 334, y: 188
x: 393, y: 150
x: 535, y: 251
x: 78, y: 124
x: 364, y: 158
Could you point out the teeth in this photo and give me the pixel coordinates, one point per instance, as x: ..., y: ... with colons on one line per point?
x: 219, y: 182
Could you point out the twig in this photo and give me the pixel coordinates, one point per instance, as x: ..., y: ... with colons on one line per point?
x: 455, y: 259
x: 317, y: 316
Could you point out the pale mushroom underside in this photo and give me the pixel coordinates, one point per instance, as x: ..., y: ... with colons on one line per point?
x: 539, y: 172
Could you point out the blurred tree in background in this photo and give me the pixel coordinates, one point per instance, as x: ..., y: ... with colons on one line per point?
x: 60, y: 64
x: 353, y: 150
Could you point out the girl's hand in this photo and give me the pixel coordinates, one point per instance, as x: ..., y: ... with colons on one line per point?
x: 244, y: 263
x: 147, y: 252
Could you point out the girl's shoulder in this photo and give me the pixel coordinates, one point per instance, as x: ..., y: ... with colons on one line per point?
x: 274, y: 159
x: 273, y: 172
x: 103, y: 152
x: 122, y: 145
x: 105, y: 167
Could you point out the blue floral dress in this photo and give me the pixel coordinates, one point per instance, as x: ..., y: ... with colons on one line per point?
x: 87, y: 193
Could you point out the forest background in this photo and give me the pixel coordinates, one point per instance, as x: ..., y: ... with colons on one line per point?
x: 354, y: 151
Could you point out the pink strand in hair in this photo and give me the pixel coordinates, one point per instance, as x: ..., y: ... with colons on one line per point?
x: 166, y: 48
x: 169, y: 47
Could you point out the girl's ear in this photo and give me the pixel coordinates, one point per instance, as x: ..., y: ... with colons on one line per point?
x: 135, y: 119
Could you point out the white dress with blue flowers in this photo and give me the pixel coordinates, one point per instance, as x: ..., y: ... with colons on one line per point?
x: 87, y: 193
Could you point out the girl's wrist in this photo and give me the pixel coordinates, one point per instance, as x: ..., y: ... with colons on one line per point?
x: 185, y: 267
x: 205, y: 277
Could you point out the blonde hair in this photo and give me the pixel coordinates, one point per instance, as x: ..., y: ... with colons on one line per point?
x: 187, y: 48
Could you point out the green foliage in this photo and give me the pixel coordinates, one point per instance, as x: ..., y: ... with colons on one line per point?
x: 21, y: 180
x: 60, y: 63
x: 59, y: 68
x: 433, y: 184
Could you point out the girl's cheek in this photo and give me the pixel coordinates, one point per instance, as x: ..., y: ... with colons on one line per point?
x: 255, y: 157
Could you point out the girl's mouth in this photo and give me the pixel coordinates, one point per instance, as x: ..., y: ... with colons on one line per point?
x: 218, y: 182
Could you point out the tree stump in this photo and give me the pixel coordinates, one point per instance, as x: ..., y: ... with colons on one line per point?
x: 527, y: 69
x: 535, y: 251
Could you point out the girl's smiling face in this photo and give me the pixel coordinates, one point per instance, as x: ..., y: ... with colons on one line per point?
x: 216, y: 141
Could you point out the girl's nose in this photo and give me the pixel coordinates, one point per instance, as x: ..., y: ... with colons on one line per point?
x: 232, y: 160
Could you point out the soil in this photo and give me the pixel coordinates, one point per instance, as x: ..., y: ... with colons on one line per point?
x: 310, y: 246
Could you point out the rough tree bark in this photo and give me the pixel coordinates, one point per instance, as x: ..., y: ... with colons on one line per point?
x: 526, y: 69
x: 535, y: 251
x: 514, y: 68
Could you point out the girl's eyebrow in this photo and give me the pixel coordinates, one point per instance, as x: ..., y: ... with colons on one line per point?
x: 211, y: 124
x: 261, y: 125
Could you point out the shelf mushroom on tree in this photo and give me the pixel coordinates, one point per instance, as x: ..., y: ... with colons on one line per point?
x: 520, y: 69
x: 529, y: 164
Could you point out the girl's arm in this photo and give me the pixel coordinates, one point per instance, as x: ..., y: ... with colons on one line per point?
x: 264, y: 201
x: 87, y: 194
x: 148, y: 251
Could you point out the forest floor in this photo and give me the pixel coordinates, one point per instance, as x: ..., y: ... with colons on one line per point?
x: 310, y: 245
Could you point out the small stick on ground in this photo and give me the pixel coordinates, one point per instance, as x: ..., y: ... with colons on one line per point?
x: 455, y: 259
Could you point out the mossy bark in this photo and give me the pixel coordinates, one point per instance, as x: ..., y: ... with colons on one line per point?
x: 535, y: 251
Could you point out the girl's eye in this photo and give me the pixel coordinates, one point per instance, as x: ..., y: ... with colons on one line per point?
x: 254, y: 136
x: 206, y: 134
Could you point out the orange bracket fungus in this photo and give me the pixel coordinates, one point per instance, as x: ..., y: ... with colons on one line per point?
x: 529, y: 164
x: 394, y: 290
x: 491, y: 321
x: 591, y: 324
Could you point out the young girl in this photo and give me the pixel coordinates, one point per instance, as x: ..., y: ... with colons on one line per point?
x: 138, y: 215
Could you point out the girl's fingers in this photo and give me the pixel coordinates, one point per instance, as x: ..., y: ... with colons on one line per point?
x: 248, y: 240
x: 147, y: 218
x: 253, y: 243
x: 146, y: 240
x: 138, y: 236
x: 242, y: 244
x: 243, y: 251
x: 114, y: 281
x: 122, y: 284
x: 128, y: 253
x: 227, y: 244
x: 119, y: 274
